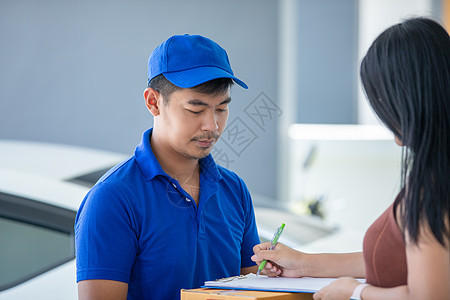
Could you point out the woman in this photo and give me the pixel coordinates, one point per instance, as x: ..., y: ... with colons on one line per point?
x: 406, y: 252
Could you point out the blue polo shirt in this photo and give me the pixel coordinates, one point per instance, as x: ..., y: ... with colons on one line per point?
x: 137, y: 225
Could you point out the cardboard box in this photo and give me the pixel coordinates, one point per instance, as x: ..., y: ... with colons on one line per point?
x: 217, y: 294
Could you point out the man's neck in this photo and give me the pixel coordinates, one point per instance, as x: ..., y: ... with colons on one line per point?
x: 177, y: 166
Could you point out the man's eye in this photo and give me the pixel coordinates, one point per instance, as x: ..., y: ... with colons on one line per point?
x: 222, y: 109
x: 194, y: 112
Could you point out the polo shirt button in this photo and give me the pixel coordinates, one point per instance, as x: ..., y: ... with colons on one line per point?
x: 187, y: 199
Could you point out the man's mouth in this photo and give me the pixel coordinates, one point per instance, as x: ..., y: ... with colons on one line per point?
x: 206, y: 140
x: 205, y: 143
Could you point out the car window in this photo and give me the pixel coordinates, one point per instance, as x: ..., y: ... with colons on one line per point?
x: 35, y: 237
x: 89, y: 179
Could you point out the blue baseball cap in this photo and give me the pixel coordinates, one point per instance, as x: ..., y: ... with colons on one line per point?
x: 190, y: 60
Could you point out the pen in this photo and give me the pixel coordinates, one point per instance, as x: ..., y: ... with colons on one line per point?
x: 273, y: 242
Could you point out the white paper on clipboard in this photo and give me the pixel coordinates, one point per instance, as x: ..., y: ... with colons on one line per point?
x: 276, y: 284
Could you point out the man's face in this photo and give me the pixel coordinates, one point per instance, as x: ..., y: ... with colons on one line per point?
x: 193, y: 122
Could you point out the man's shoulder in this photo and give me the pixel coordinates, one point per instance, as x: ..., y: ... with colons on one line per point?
x: 227, y: 172
x: 115, y: 186
x: 230, y: 176
x: 119, y: 171
x: 119, y: 176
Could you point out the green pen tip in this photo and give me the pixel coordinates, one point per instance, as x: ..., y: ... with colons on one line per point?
x: 282, y: 226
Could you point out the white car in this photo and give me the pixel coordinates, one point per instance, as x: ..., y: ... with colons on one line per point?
x: 41, y: 188
x: 36, y: 230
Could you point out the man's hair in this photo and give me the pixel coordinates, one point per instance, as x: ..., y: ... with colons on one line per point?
x: 213, y: 87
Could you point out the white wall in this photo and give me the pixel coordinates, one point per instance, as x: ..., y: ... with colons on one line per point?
x: 355, y: 168
x: 73, y: 72
x: 374, y: 17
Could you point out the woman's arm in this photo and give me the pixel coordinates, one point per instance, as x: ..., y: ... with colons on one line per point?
x: 428, y: 267
x: 428, y: 275
x: 288, y: 262
x: 334, y: 265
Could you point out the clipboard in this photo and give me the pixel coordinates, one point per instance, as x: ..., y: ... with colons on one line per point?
x: 271, y: 284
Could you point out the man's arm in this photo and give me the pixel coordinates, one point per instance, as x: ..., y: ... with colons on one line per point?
x: 105, y: 244
x: 102, y: 289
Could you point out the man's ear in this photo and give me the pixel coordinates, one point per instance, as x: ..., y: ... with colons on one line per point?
x: 152, y: 100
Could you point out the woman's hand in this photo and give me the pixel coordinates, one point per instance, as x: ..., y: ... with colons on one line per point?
x: 340, y: 289
x: 282, y: 261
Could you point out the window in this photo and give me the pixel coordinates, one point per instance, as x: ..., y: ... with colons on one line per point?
x: 89, y: 179
x: 35, y: 238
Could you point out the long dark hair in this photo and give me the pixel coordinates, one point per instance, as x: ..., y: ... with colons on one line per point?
x: 406, y: 78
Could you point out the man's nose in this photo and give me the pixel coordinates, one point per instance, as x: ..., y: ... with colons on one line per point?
x: 210, y: 122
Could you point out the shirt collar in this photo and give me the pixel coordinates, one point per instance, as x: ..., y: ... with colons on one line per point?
x: 151, y: 167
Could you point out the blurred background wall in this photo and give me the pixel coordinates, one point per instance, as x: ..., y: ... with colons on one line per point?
x: 73, y: 72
